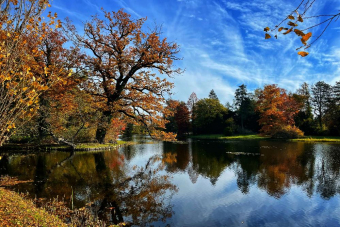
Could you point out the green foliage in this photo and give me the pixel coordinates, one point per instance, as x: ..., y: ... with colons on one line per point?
x: 321, y: 97
x: 128, y: 130
x: 230, y: 127
x: 287, y: 132
x: 212, y: 95
x: 209, y: 117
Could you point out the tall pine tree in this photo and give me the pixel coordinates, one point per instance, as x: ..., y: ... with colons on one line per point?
x: 212, y: 95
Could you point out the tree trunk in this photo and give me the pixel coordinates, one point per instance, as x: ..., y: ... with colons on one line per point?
x: 43, y: 126
x: 103, y: 126
x: 320, y: 121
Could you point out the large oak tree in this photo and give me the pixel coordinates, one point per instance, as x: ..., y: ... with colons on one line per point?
x: 122, y: 67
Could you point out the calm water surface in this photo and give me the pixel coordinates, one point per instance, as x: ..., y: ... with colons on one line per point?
x: 200, y: 183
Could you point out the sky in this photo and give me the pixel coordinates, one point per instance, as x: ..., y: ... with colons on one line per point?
x: 222, y: 41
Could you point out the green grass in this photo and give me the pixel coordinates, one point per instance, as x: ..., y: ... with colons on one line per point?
x: 80, y: 146
x: 317, y: 139
x: 258, y: 137
x: 97, y: 145
x: 235, y: 137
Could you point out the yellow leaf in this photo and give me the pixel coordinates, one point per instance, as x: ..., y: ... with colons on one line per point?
x: 303, y: 53
x: 266, y: 29
x: 267, y: 36
x: 291, y: 17
x: 25, y: 88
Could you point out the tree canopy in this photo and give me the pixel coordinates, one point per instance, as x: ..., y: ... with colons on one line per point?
x: 121, y: 70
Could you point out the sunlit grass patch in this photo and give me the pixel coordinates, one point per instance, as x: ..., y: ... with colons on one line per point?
x: 15, y: 211
x: 318, y: 139
x: 235, y: 137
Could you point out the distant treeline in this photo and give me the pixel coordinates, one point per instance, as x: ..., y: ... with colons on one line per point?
x: 310, y: 110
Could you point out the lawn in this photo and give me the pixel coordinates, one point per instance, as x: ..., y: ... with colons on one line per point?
x: 259, y: 137
x: 234, y: 137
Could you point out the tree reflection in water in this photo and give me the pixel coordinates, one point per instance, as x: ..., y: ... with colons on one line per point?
x: 273, y: 166
x: 142, y: 194
x: 140, y: 197
x: 117, y: 192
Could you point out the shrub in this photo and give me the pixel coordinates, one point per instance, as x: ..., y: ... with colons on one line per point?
x: 244, y: 131
x: 230, y: 127
x: 228, y: 131
x: 287, y: 132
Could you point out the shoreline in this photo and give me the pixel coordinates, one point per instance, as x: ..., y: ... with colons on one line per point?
x: 221, y: 137
x: 34, y: 148
x: 15, y: 210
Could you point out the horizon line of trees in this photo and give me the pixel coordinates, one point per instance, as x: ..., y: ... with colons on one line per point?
x: 271, y: 111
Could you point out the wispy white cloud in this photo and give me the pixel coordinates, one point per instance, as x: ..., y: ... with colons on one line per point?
x: 222, y: 43
x: 70, y: 13
x: 127, y: 7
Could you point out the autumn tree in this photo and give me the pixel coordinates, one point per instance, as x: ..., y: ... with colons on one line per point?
x: 182, y: 117
x: 22, y: 32
x: 321, y: 97
x: 298, y: 17
x: 54, y: 53
x: 179, y: 121
x: 276, y: 109
x: 122, y: 70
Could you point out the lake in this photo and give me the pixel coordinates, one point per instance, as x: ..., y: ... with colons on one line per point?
x: 198, y: 183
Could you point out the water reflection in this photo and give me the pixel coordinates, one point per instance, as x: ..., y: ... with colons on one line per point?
x: 199, y: 183
x: 118, y: 191
x: 271, y: 166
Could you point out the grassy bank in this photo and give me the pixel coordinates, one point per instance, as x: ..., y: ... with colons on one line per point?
x: 16, y: 211
x: 258, y: 137
x: 318, y: 139
x: 235, y: 137
x: 47, y: 147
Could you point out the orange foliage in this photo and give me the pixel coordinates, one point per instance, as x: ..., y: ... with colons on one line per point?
x: 22, y: 78
x: 276, y: 108
x: 122, y: 70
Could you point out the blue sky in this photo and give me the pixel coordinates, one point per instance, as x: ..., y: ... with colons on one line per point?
x: 222, y: 42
